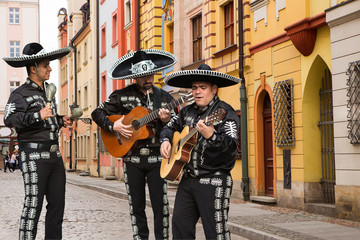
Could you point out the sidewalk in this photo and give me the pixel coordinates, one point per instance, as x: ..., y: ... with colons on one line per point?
x: 250, y: 220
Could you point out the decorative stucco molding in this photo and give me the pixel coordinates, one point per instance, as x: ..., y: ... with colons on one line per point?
x: 303, y: 33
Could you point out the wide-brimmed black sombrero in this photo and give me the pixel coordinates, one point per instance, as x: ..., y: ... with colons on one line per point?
x: 204, y: 73
x: 34, y: 52
x: 141, y: 63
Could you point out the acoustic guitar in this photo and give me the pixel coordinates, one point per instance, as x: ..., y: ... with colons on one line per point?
x: 139, y: 117
x: 182, y: 146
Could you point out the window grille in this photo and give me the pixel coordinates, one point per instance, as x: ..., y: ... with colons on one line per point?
x: 353, y: 94
x: 284, y: 113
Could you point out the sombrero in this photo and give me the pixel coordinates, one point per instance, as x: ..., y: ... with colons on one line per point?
x: 204, y: 73
x: 34, y: 52
x: 141, y: 63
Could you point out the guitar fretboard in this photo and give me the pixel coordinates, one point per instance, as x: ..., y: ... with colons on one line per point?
x: 155, y: 114
x: 215, y: 117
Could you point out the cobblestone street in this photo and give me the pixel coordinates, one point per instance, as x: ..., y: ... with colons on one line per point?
x: 88, y: 214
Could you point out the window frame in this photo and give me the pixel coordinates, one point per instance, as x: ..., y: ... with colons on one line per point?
x: 103, y: 40
x: 229, y: 25
x: 14, y: 15
x: 127, y: 13
x: 196, y: 22
x: 114, y: 24
x: 14, y: 48
x: 15, y: 85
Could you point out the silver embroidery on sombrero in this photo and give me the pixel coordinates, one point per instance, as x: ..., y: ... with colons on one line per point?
x: 143, y: 66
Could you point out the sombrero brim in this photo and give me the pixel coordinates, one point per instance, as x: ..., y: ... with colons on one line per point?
x: 121, y: 68
x: 26, y: 60
x: 184, y: 79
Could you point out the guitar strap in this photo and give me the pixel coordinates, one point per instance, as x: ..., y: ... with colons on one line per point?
x: 211, y: 109
x: 157, y: 98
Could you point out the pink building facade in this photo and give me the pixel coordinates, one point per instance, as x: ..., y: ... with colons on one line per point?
x: 19, y: 25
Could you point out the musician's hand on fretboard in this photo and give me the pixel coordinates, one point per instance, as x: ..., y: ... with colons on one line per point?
x: 206, y: 130
x: 164, y: 115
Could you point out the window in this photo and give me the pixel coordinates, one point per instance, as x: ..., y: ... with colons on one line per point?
x: 197, y: 38
x: 103, y: 41
x: 229, y: 24
x: 103, y: 87
x: 114, y: 29
x: 14, y: 15
x: 353, y: 94
x: 79, y: 98
x: 14, y: 49
x: 86, y: 97
x: 128, y: 11
x: 284, y: 113
x: 171, y: 39
x: 67, y: 149
x: 14, y: 85
x: 78, y: 60
x: 95, y: 146
x: 85, y: 53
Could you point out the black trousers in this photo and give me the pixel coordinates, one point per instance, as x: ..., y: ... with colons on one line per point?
x: 6, y: 165
x: 136, y: 172
x: 207, y: 198
x: 43, y: 175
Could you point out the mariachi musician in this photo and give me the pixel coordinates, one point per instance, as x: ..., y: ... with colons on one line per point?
x: 142, y: 162
x: 37, y: 124
x: 205, y: 188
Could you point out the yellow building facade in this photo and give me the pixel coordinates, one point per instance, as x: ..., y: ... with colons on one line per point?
x: 288, y: 80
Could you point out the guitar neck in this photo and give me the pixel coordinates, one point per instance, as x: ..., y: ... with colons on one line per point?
x: 216, y: 116
x: 155, y: 114
x: 188, y: 136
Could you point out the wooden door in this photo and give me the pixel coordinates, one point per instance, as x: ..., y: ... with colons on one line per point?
x: 268, y: 148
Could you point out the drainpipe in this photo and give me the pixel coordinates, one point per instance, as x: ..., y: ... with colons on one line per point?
x: 243, y: 103
x: 75, y: 102
x: 137, y: 25
x: 98, y: 87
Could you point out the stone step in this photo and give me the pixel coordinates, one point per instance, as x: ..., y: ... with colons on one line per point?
x: 263, y: 200
x: 321, y: 208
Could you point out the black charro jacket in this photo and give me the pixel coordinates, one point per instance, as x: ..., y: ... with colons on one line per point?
x: 209, y: 155
x: 122, y: 101
x: 22, y: 111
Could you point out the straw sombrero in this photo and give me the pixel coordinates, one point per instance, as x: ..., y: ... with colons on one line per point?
x: 204, y: 73
x: 34, y: 52
x: 141, y: 63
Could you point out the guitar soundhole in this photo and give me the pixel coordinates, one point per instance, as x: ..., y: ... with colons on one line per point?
x: 135, y: 124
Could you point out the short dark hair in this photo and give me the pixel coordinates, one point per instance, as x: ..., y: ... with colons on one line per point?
x: 28, y: 67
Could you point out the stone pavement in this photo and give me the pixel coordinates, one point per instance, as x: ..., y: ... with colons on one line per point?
x: 250, y: 220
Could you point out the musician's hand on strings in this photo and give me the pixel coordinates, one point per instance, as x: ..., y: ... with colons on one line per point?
x: 204, y: 130
x: 124, y: 130
x: 46, y: 112
x: 164, y: 115
x: 165, y: 149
